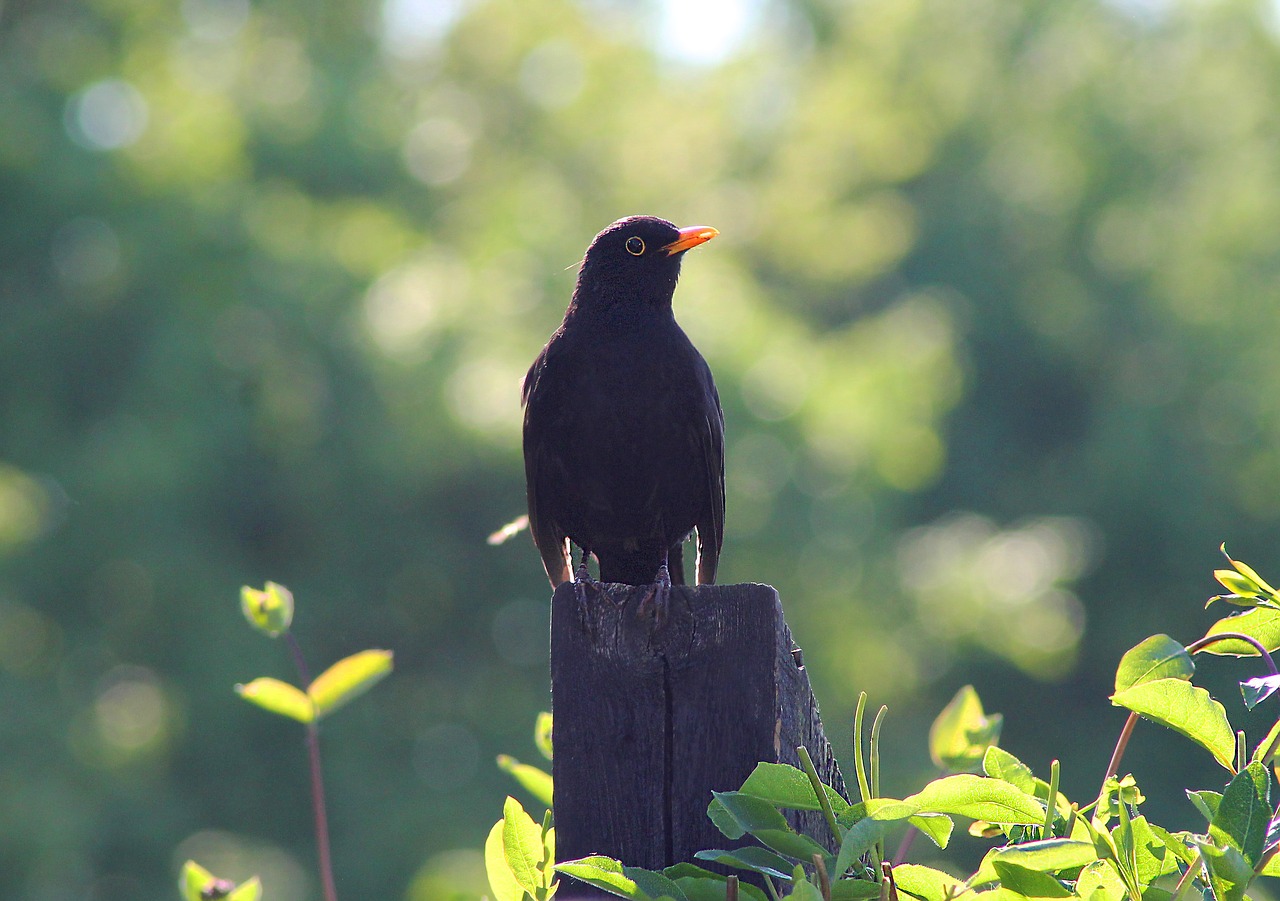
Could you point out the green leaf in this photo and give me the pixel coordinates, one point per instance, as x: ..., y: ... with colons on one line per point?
x: 928, y: 884
x: 502, y: 882
x: 1206, y: 802
x: 604, y: 873
x: 854, y: 889
x: 1000, y: 764
x: 349, y: 678
x: 1151, y: 858
x: 1048, y: 856
x: 1099, y: 881
x: 962, y: 733
x: 1158, y: 657
x: 1260, y: 623
x: 1186, y: 709
x: 1239, y: 586
x: 978, y: 798
x: 1030, y: 883
x: 802, y: 889
x: 703, y: 885
x: 278, y: 697
x: 1175, y: 843
x: 247, y: 891
x: 736, y: 814
x: 786, y: 786
x: 655, y: 885
x: 269, y: 610
x: 1247, y: 572
x: 750, y: 858
x: 937, y: 826
x: 1229, y: 873
x: 522, y: 845
x: 1243, y: 816
x: 193, y: 880
x: 542, y: 734
x: 533, y: 780
x: 878, y: 815
x: 1258, y: 689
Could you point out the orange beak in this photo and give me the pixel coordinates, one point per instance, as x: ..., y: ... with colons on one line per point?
x: 690, y: 237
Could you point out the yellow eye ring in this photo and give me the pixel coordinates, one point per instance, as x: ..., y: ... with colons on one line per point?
x: 635, y: 246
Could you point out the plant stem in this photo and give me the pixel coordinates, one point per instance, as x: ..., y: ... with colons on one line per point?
x: 819, y: 790
x: 1197, y: 646
x: 1118, y: 754
x: 321, y: 818
x: 905, y: 845
x: 323, y: 856
x: 864, y: 788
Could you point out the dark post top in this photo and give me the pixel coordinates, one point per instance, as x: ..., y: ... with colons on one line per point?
x: 650, y: 719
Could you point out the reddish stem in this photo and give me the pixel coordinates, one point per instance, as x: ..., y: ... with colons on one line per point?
x: 317, y: 782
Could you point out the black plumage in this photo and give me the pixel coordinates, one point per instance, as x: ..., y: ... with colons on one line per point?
x: 623, y: 431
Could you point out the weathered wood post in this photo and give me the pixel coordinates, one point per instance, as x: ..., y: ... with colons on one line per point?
x: 650, y: 719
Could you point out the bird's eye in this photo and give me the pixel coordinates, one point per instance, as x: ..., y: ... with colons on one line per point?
x: 635, y: 246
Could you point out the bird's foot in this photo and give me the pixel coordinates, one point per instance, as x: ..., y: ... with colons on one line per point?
x: 582, y: 581
x: 656, y: 602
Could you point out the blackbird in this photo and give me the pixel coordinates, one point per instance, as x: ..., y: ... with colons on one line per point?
x: 623, y: 431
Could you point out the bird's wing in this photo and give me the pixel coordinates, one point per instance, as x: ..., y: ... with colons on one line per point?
x: 552, y: 542
x: 711, y: 527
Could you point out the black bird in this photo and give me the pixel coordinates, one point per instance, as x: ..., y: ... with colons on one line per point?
x: 623, y: 432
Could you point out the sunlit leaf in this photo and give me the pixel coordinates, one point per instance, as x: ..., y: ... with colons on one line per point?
x: 1260, y: 623
x: 929, y: 884
x: 251, y: 890
x: 269, y: 609
x: 522, y: 845
x: 1247, y: 572
x: 1243, y: 816
x: 962, y: 732
x: 533, y: 780
x: 1000, y: 764
x: 542, y: 734
x: 1099, y: 881
x: 193, y: 880
x: 786, y: 786
x: 349, y: 678
x: 605, y: 873
x: 1206, y: 802
x: 1187, y: 709
x: 278, y: 697
x: 979, y: 798
x: 1029, y: 883
x: 502, y: 882
x: 1158, y: 657
x: 1229, y: 873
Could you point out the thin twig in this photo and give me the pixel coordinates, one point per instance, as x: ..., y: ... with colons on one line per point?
x: 1118, y: 754
x: 1197, y: 646
x: 323, y: 855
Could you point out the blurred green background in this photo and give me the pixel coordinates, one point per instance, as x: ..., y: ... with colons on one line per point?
x: 993, y: 315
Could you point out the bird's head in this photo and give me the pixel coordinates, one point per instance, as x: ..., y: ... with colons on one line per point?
x: 635, y: 263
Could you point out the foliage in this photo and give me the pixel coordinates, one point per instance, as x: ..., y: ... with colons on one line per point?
x: 1052, y: 848
x: 270, y: 611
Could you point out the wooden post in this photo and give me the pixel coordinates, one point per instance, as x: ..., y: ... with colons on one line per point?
x: 649, y: 720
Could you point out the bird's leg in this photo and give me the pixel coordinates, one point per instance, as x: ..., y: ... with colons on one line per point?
x: 657, y: 599
x: 582, y: 578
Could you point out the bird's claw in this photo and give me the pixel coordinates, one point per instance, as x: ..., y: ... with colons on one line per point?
x: 581, y: 581
x: 656, y: 602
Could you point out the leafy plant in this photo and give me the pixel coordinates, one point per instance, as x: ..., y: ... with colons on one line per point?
x: 1052, y: 847
x: 270, y: 610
